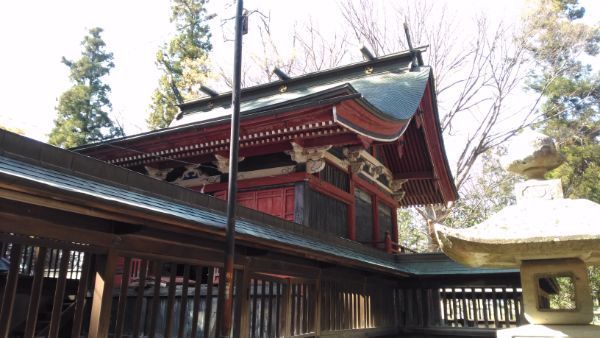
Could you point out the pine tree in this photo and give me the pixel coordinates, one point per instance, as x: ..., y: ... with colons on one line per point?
x: 572, y: 92
x: 83, y: 109
x: 183, y: 61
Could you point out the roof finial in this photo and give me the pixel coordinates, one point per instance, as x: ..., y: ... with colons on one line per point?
x: 366, y: 53
x: 281, y: 74
x: 414, y: 66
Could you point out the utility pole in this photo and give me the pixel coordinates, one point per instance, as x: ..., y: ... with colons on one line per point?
x: 226, y: 280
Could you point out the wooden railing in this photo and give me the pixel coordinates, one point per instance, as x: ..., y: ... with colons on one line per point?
x: 64, y: 289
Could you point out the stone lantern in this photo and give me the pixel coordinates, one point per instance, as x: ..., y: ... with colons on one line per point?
x: 549, y: 238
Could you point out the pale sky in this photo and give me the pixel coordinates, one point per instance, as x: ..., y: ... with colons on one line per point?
x: 34, y: 35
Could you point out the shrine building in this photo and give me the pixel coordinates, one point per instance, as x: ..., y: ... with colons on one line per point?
x: 125, y: 238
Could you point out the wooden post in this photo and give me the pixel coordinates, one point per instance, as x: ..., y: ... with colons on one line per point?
x: 103, y: 295
x: 395, y: 235
x: 318, y: 305
x: 351, y: 208
x: 241, y: 329
x: 375, y: 212
x: 287, y: 308
x: 10, y: 290
x: 388, y: 243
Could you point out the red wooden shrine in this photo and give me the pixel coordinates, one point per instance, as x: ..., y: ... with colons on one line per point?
x: 337, y: 150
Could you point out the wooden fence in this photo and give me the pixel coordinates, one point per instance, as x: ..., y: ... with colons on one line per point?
x: 57, y: 288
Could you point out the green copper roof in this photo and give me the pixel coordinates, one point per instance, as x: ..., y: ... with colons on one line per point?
x: 394, y: 94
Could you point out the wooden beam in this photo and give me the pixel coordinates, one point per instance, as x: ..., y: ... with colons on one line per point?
x: 257, y: 182
x: 103, y: 296
x: 415, y: 175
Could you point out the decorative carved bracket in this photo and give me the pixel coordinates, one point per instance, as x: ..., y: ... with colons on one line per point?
x: 361, y: 161
x: 159, y: 174
x: 194, y: 176
x: 396, y: 187
x: 222, y: 163
x: 313, y: 157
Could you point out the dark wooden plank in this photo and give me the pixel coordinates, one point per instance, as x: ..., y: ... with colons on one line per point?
x: 454, y: 308
x: 36, y: 292
x: 505, y: 301
x: 59, y: 294
x: 465, y: 309
x: 254, y: 299
x: 196, y: 306
x: 209, y: 301
x: 122, y: 298
x: 153, y: 316
x: 261, y: 326
x: 495, y: 305
x: 242, y: 280
x: 287, y: 310
x: 485, y: 308
x: 171, y: 301
x: 183, y: 314
x: 516, y: 299
x: 475, y: 307
x: 139, y: 299
x: 10, y: 289
x: 278, y: 311
x: 80, y: 299
x: 270, y: 309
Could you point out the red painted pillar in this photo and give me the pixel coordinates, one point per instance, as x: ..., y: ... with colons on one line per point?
x: 375, y: 212
x: 351, y: 208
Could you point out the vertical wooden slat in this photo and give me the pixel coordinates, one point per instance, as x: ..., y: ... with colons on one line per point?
x: 254, y: 307
x: 171, y: 301
x: 495, y: 305
x: 137, y: 312
x: 475, y: 307
x: 209, y: 301
x: 506, y: 308
x: 155, y: 299
x: 517, y: 307
x: 183, y: 314
x: 270, y: 309
x: 10, y: 289
x: 454, y: 308
x: 287, y: 310
x: 59, y: 294
x: 197, y: 296
x: 103, y: 295
x: 36, y: 292
x: 122, y: 298
x: 318, y: 306
x: 261, y: 325
x: 240, y: 328
x: 485, y: 304
x: 465, y: 310
x: 279, y: 310
x: 80, y: 300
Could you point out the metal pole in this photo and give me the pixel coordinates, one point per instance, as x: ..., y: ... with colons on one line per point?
x: 226, y: 280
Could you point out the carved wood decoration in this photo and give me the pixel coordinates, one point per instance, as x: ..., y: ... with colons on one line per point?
x: 222, y: 163
x: 159, y: 174
x: 361, y: 161
x: 194, y: 176
x: 314, y: 157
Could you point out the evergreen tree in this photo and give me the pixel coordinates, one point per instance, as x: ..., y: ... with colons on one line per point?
x: 572, y: 92
x: 183, y: 61
x: 83, y: 109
